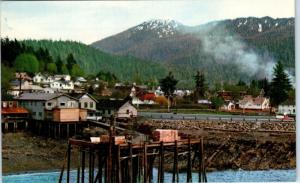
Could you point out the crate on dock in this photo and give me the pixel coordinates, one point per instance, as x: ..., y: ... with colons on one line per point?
x: 165, y: 135
x: 104, y: 138
x: 119, y: 140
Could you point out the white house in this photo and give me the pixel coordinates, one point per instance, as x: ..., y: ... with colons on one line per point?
x: 158, y: 92
x: 287, y: 109
x: 121, y: 109
x: 38, y: 78
x: 65, y: 77
x: 43, y: 79
x: 257, y: 103
x: 62, y: 85
x: 228, y: 106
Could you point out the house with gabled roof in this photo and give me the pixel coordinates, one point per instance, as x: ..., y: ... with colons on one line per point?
x: 254, y: 103
x: 121, y: 109
x: 52, y: 106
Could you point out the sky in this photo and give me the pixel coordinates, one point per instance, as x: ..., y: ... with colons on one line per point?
x: 90, y: 21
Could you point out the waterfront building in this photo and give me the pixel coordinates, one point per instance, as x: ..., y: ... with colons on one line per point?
x: 52, y: 106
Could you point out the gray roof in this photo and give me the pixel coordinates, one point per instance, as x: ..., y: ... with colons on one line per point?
x: 38, y: 96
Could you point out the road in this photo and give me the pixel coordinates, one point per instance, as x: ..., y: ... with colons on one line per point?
x: 216, y: 117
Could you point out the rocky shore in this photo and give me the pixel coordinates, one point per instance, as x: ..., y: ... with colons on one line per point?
x: 238, y: 145
x: 228, y: 145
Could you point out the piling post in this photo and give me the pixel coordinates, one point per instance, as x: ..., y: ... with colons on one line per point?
x: 119, y: 170
x: 68, y: 165
x: 189, y: 163
x: 161, y: 161
x: 100, y: 165
x: 200, y: 161
x: 175, y: 163
x: 90, y: 166
x: 82, y: 165
x: 68, y: 130
x: 59, y: 131
x: 130, y: 164
x: 145, y: 164
x: 203, y: 163
x: 78, y: 167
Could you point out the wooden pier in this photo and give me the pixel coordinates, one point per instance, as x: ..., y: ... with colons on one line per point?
x: 116, y: 163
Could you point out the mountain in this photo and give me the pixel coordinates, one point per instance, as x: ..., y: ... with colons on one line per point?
x: 126, y: 68
x: 243, y: 47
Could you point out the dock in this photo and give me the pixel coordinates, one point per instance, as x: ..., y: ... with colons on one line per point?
x: 110, y: 162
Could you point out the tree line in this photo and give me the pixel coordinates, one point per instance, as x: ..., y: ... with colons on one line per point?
x: 279, y: 90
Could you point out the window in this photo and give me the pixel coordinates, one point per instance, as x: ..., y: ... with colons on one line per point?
x: 85, y: 105
x: 91, y: 104
x: 127, y: 111
x: 49, y: 104
x: 62, y: 104
x: 40, y: 114
x: 109, y: 111
x: 80, y: 105
x: 33, y: 113
x: 43, y: 104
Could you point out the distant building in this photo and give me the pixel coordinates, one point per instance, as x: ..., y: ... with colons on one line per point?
x: 23, y: 86
x: 23, y: 76
x: 62, y: 85
x: 254, y: 103
x: 121, y: 109
x: 65, y: 77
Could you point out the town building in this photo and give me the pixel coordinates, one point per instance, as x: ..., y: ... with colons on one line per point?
x: 254, y: 103
x: 120, y: 109
x: 52, y: 106
x: 13, y: 116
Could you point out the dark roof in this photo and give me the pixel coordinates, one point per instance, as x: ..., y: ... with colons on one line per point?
x: 110, y: 104
x: 79, y: 95
x: 41, y: 96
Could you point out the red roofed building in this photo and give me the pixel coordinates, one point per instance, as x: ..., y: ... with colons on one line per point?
x: 10, y: 110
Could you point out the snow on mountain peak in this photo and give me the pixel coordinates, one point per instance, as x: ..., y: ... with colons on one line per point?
x: 162, y: 27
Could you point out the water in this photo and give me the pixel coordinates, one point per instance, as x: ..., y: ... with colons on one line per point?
x: 220, y: 176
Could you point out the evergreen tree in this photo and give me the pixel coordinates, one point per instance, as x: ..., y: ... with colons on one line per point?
x: 201, y: 86
x: 59, y: 64
x: 168, y: 85
x: 280, y: 85
x: 265, y: 85
x: 70, y: 62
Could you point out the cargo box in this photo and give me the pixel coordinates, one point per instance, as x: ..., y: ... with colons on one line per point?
x: 165, y: 135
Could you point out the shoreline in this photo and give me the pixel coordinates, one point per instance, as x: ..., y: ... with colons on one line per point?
x: 58, y: 171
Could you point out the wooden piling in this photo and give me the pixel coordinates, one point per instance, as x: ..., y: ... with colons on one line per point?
x: 161, y: 162
x: 189, y: 163
x: 90, y: 167
x: 69, y: 162
x: 130, y: 178
x: 119, y: 170
x: 175, y: 164
x: 82, y: 165
x: 78, y: 166
x: 145, y: 164
x: 200, y: 161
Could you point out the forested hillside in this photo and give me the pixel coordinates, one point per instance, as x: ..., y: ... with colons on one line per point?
x: 92, y: 61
